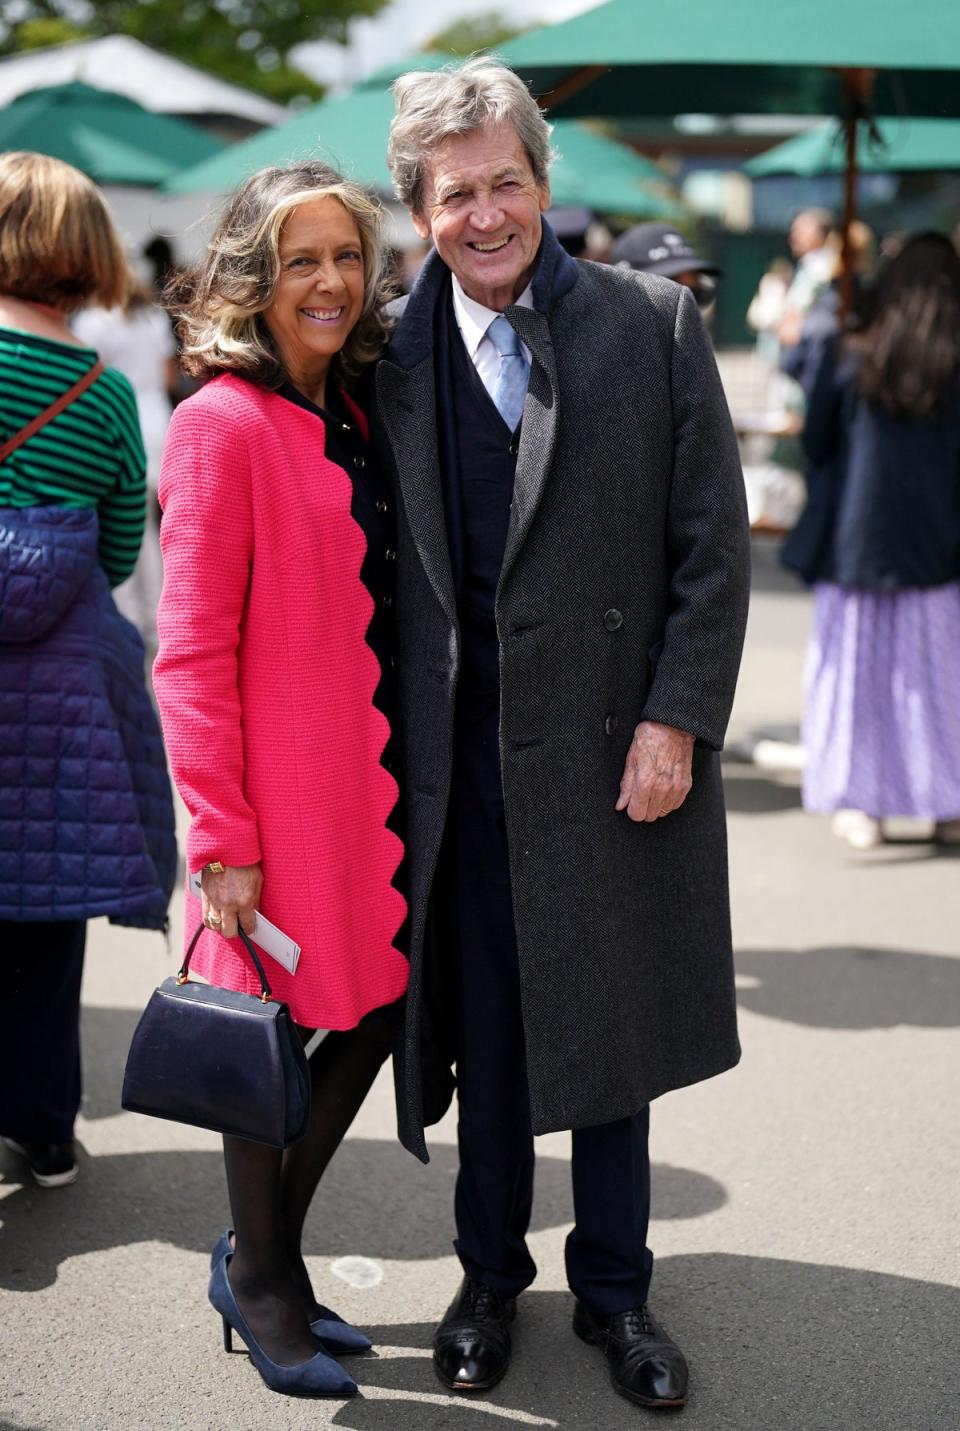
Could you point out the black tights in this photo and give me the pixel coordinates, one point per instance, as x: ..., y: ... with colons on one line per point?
x: 270, y: 1192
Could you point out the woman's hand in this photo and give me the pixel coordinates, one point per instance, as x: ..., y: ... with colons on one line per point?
x: 231, y: 897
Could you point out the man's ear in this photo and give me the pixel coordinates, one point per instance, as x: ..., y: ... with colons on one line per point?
x: 420, y: 223
x: 545, y: 199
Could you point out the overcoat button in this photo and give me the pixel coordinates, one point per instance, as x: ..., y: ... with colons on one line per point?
x: 610, y: 724
x: 381, y: 505
x: 359, y: 462
x: 613, y: 619
x: 391, y: 555
x: 387, y: 600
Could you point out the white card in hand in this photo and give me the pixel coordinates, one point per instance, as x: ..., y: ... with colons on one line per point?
x: 266, y: 936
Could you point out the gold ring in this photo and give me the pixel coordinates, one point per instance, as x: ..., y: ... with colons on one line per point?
x: 214, y: 920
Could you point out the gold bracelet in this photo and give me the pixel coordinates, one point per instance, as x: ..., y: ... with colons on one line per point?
x: 215, y: 867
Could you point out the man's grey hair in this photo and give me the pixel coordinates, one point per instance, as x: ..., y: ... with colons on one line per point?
x: 432, y: 105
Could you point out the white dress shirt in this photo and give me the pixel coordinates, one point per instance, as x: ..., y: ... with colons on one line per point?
x: 473, y: 320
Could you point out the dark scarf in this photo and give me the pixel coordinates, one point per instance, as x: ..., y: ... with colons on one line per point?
x: 554, y: 275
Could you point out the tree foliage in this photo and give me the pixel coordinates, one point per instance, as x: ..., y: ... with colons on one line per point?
x: 476, y: 32
x: 246, y: 41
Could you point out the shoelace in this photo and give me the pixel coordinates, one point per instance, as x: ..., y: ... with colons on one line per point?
x: 482, y: 1301
x: 637, y: 1322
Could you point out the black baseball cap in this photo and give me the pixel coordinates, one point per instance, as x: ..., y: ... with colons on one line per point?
x: 659, y: 248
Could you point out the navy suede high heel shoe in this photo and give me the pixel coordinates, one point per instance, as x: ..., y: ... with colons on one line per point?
x: 319, y: 1376
x: 336, y: 1335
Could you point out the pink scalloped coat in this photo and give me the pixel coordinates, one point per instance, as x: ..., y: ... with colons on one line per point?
x: 265, y: 685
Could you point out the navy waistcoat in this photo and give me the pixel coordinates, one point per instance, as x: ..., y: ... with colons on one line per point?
x: 478, y: 460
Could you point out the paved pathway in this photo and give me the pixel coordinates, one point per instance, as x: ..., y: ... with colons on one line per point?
x: 805, y: 1205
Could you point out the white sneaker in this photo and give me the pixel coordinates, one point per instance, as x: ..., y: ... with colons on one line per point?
x: 859, y: 830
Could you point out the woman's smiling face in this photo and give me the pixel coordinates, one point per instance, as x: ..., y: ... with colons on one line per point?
x: 319, y: 297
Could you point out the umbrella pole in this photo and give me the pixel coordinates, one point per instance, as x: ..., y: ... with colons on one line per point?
x: 857, y: 91
x: 572, y: 85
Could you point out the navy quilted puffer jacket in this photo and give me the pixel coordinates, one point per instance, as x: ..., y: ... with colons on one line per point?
x: 86, y: 811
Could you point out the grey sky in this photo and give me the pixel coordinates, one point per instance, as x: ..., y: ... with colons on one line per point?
x: 404, y: 26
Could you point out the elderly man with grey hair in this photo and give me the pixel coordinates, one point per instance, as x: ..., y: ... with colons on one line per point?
x: 572, y: 592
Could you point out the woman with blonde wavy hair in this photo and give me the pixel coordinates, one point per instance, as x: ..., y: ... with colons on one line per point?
x: 274, y: 681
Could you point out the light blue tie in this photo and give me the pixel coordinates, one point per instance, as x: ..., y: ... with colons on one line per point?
x: 510, y: 384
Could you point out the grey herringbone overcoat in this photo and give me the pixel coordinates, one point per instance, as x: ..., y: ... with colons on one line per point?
x: 623, y: 597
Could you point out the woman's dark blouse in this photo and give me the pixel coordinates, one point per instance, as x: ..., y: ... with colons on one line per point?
x: 373, y: 509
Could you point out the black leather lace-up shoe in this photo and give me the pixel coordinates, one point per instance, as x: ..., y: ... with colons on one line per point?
x: 645, y: 1365
x: 471, y: 1348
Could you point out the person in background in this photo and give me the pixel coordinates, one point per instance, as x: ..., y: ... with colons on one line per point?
x: 881, y: 720
x: 274, y: 680
x: 767, y: 307
x: 659, y: 248
x: 821, y: 321
x: 86, y: 812
x: 815, y: 259
x: 136, y: 338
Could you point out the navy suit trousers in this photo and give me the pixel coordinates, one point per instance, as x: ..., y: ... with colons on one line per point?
x: 607, y: 1261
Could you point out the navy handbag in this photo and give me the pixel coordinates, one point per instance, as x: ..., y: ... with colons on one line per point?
x: 219, y: 1059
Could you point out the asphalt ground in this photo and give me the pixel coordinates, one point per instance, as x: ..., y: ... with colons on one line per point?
x: 805, y: 1205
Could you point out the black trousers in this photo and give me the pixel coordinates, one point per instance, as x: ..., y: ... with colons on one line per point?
x: 608, y: 1263
x: 41, y: 965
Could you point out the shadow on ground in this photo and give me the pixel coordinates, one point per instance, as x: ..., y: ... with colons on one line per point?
x: 774, y: 1346
x: 851, y: 988
x: 747, y: 792
x: 787, y: 1345
x: 376, y: 1201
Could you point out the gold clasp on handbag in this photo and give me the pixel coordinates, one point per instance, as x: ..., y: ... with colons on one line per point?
x: 183, y: 977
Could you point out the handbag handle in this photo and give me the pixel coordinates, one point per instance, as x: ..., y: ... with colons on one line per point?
x: 183, y: 975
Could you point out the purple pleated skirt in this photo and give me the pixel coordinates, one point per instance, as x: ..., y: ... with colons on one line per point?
x: 881, y: 724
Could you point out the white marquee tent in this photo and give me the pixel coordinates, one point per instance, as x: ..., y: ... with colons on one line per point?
x: 122, y: 64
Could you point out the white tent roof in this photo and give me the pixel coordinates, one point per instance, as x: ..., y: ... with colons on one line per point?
x: 126, y: 66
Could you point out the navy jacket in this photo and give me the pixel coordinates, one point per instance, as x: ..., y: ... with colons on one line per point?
x: 883, y: 510
x: 86, y: 810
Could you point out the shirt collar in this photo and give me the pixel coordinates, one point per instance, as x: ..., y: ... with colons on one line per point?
x: 473, y: 319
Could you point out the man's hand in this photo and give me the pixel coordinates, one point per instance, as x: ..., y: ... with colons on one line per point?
x: 657, y: 776
x: 230, y: 896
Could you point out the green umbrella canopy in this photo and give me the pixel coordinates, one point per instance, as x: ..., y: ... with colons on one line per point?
x: 606, y: 176
x: 912, y: 144
x: 743, y: 57
x: 585, y: 156
x: 351, y: 133
x: 108, y: 136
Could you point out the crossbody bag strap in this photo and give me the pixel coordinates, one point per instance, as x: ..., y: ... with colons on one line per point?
x: 55, y: 408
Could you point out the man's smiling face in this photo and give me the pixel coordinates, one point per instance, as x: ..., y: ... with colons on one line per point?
x: 482, y: 207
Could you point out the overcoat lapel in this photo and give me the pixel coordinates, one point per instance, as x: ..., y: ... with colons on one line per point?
x: 538, y: 432
x: 407, y: 404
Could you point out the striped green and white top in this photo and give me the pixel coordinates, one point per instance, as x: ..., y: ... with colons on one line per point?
x: 90, y: 455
